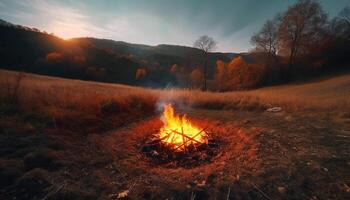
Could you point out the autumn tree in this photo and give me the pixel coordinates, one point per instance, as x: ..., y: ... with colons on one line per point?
x: 196, y: 77
x: 54, y: 57
x: 301, y: 26
x: 243, y: 75
x: 221, y: 75
x: 205, y: 44
x: 174, y: 68
x: 140, y: 72
x: 238, y: 75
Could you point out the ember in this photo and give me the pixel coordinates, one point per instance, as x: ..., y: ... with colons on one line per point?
x: 178, y: 142
x: 179, y: 133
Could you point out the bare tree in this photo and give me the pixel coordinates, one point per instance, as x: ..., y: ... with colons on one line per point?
x: 340, y: 25
x: 206, y: 44
x: 266, y: 40
x: 300, y: 26
x: 344, y: 15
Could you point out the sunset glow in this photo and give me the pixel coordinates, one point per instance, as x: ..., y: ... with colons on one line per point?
x: 149, y: 22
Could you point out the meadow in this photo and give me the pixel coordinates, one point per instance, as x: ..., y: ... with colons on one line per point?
x: 75, y: 139
x: 47, y: 93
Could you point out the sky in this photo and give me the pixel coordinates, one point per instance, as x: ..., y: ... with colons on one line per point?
x: 230, y: 22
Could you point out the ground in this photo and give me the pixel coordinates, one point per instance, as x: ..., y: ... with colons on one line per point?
x: 68, y: 139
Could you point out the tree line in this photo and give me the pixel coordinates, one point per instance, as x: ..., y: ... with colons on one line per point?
x: 300, y: 43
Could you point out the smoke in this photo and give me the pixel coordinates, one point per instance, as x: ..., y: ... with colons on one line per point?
x: 171, y: 96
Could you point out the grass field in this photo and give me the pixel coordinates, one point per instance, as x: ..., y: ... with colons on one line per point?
x: 71, y: 139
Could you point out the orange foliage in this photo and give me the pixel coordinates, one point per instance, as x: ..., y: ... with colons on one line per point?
x: 54, y: 56
x: 221, y: 76
x: 141, y: 72
x: 79, y: 60
x: 238, y: 74
x: 174, y: 68
x: 196, y: 77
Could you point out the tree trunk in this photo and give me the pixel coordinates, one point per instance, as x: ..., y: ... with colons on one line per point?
x: 205, y: 72
x: 290, y: 65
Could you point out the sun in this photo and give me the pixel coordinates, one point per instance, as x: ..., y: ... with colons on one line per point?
x: 67, y: 31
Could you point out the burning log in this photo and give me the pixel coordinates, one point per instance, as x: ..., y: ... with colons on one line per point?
x: 179, y: 141
x: 180, y: 131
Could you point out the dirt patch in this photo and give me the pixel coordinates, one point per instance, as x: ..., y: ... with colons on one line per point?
x: 237, y: 154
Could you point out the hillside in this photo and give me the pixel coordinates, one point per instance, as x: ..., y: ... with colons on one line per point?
x: 30, y: 50
x: 163, y: 55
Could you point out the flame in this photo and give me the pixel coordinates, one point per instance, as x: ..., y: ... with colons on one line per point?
x: 178, y: 132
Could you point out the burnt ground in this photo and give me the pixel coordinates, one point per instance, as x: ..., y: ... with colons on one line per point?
x: 299, y: 155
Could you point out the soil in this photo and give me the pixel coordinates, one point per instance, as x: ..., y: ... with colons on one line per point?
x: 262, y: 155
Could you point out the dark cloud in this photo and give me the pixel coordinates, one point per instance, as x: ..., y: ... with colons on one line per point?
x: 230, y: 22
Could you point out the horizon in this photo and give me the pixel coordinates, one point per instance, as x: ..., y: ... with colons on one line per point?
x: 139, y: 104
x: 130, y: 21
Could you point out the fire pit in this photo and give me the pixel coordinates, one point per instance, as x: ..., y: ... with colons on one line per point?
x: 154, y: 165
x: 180, y: 141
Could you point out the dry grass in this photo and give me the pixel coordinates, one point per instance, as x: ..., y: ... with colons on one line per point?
x: 72, y: 104
x: 52, y: 94
x: 304, y: 150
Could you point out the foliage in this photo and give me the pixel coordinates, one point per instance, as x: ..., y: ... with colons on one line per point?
x: 197, y: 78
x: 141, y: 72
x: 238, y: 75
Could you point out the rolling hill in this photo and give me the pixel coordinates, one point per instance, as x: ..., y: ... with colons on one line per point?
x: 163, y: 54
x: 31, y: 50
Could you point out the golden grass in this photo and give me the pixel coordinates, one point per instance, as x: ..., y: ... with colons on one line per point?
x: 57, y: 96
x: 251, y: 151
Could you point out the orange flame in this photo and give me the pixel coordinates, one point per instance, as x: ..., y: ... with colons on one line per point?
x: 178, y: 132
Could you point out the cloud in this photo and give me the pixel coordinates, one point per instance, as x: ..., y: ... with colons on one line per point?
x: 134, y: 22
x: 154, y: 22
x: 51, y: 16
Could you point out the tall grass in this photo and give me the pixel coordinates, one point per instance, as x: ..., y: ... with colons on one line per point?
x: 74, y: 103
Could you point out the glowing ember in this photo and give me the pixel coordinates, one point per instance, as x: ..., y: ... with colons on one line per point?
x: 178, y: 132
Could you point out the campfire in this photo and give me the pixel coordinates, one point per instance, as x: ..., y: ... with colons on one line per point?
x: 179, y: 133
x: 180, y: 141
